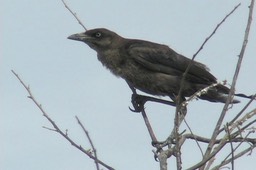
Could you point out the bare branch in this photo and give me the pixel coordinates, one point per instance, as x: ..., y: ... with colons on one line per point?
x: 147, y: 123
x: 74, y: 14
x: 201, y: 47
x: 231, y: 146
x: 245, y: 118
x: 234, y: 149
x: 178, y: 158
x: 247, y: 150
x: 90, y: 141
x: 232, y: 89
x: 194, y: 138
x: 163, y: 160
x: 224, y: 141
x: 207, y: 140
x: 240, y: 113
x: 51, y: 129
x: 57, y: 129
x: 240, y: 130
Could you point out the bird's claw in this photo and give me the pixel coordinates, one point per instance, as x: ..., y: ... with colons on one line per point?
x: 133, y: 110
x: 138, y: 102
x: 159, y: 147
x: 156, y: 157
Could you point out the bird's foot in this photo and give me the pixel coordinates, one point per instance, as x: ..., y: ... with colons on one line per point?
x: 168, y: 146
x: 138, y: 102
x: 159, y: 148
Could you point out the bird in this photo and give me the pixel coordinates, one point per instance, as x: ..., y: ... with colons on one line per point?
x: 153, y: 68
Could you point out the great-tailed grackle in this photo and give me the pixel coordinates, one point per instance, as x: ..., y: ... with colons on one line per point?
x: 150, y: 67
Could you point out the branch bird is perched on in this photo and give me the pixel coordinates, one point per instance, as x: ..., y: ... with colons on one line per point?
x: 150, y: 67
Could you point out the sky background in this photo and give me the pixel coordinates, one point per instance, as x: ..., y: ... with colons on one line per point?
x: 68, y: 80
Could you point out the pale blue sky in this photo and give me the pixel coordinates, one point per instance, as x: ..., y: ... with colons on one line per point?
x: 66, y: 78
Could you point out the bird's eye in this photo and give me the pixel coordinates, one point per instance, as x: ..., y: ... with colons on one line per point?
x: 98, y: 34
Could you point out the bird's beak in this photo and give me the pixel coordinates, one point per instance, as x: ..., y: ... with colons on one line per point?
x: 79, y: 37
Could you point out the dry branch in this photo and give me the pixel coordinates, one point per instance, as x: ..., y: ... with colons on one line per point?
x: 177, y: 119
x: 74, y: 14
x: 232, y: 89
x: 57, y: 129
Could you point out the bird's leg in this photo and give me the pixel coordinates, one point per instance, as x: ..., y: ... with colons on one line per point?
x: 138, y: 101
x: 131, y: 87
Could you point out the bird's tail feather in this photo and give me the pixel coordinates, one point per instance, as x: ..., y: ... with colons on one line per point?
x: 221, y: 97
x: 220, y: 94
x: 246, y: 96
x: 218, y: 97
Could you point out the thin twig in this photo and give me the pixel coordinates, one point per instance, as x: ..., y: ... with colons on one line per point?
x: 79, y: 147
x: 224, y: 141
x: 241, y: 112
x: 178, y: 159
x: 147, y: 123
x: 207, y: 140
x: 240, y: 121
x: 234, y: 149
x: 205, y: 160
x: 195, y: 138
x: 90, y: 141
x: 142, y: 110
x: 231, y: 146
x: 235, y: 157
x: 232, y: 89
x: 201, y: 47
x: 238, y: 132
x: 74, y: 14
x: 51, y: 129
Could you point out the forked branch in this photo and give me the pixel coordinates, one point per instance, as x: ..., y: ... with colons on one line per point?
x: 58, y: 130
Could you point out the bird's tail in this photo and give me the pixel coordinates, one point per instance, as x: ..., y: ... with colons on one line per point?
x: 246, y: 96
x: 222, y: 97
x: 217, y: 97
x: 220, y: 94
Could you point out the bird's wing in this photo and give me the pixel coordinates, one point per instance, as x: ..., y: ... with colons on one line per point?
x: 162, y: 59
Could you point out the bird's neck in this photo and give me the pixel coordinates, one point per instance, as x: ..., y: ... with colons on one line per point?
x: 112, y: 59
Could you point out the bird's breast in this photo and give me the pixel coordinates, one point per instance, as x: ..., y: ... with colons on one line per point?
x: 112, y: 60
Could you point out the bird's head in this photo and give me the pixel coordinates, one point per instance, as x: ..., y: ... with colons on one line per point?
x: 98, y: 39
